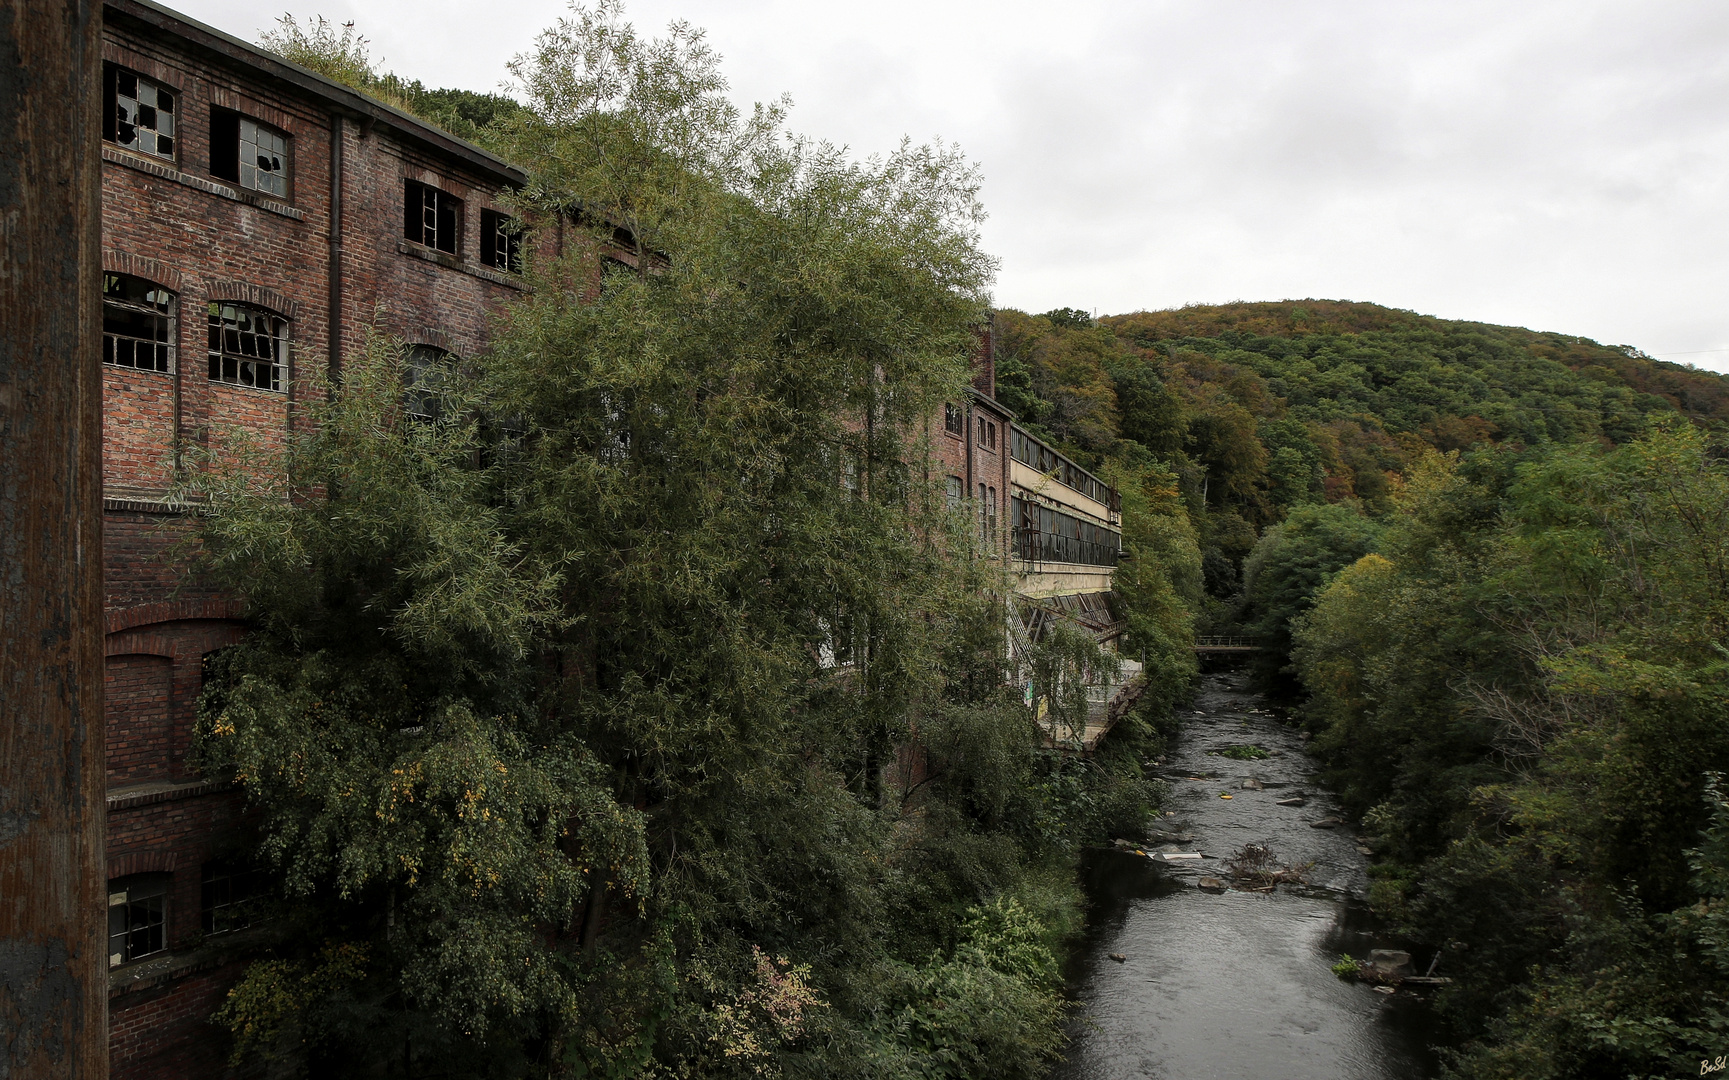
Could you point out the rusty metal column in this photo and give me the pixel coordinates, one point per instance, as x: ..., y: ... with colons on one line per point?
x: 53, y: 967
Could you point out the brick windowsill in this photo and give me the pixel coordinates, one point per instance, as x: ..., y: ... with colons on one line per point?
x: 169, y: 172
x: 451, y: 262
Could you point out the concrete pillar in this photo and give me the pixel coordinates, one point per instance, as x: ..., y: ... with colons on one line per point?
x: 53, y: 963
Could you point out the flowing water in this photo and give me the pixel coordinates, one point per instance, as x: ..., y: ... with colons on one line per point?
x: 1237, y: 985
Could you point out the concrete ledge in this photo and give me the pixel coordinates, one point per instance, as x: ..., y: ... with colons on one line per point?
x: 140, y: 506
x: 1042, y: 579
x: 125, y: 798
x: 451, y: 262
x: 211, y: 187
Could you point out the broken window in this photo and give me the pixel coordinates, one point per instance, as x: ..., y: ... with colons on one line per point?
x: 226, y: 896
x: 138, y: 114
x: 248, y: 153
x: 500, y: 242
x: 955, y: 491
x: 137, y: 912
x: 248, y: 346
x: 137, y: 324
x: 431, y: 217
x: 428, y: 369
x: 953, y: 421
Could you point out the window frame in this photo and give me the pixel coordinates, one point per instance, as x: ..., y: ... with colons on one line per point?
x: 438, y: 201
x: 144, y: 895
x: 218, y: 357
x: 954, y: 419
x: 239, y: 887
x: 227, y: 145
x: 169, y: 313
x: 112, y: 76
x: 422, y: 397
x: 496, y: 226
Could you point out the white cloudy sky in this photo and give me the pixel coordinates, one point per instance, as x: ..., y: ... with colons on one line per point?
x: 1562, y: 166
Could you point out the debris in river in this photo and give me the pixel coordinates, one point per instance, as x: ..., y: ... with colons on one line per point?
x: 1222, y: 795
x: 1177, y: 856
x: 1326, y: 823
x: 1385, y: 990
x: 1294, y: 801
x: 1211, y: 884
x: 1118, y: 957
x: 1257, y: 867
x: 1251, y: 784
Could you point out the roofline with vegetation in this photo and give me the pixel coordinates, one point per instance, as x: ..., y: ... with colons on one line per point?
x: 344, y: 98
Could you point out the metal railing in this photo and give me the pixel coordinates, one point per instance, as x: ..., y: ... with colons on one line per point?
x: 1227, y: 643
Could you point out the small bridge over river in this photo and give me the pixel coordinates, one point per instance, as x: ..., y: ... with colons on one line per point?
x: 1228, y: 644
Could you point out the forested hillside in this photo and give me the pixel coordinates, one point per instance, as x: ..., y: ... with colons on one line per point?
x: 1493, y: 568
x: 1262, y: 408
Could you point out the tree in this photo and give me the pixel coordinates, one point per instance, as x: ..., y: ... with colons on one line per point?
x: 643, y: 711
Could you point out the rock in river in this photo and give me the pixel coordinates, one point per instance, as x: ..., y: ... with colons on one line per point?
x: 1211, y: 884
x: 1326, y: 823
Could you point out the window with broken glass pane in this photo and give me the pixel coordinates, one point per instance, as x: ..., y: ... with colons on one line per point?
x: 263, y: 159
x: 249, y: 153
x: 431, y: 217
x: 137, y: 910
x: 137, y: 324
x: 139, y: 114
x: 248, y: 346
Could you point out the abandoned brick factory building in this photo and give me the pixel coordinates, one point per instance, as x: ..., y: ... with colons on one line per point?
x: 257, y: 219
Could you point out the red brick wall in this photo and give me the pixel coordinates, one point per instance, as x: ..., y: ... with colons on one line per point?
x: 165, y: 1033
x: 138, y: 696
x: 173, y: 224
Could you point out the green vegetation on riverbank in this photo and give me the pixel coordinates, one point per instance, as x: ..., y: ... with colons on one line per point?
x: 1491, y: 564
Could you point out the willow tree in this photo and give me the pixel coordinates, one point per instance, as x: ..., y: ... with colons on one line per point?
x: 641, y: 711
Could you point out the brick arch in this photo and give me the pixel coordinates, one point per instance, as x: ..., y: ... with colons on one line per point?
x: 124, y: 262
x: 256, y: 295
x: 142, y: 862
x: 429, y: 335
x: 174, y: 611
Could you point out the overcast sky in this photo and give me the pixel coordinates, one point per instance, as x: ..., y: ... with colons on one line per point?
x: 1562, y: 166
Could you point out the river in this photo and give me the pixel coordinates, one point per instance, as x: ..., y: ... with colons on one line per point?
x: 1236, y: 985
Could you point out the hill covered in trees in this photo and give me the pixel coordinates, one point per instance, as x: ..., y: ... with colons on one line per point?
x: 1259, y: 408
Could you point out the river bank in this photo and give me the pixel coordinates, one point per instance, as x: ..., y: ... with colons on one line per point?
x: 1236, y: 984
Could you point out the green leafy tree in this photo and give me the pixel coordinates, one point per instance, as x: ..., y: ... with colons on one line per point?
x: 642, y: 712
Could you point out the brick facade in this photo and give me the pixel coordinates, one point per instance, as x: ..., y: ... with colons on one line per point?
x: 332, y: 250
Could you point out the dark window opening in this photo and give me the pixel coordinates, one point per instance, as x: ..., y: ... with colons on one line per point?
x: 431, y: 217
x: 226, y: 897
x: 137, y: 113
x: 248, y: 346
x: 248, y: 153
x: 500, y: 242
x: 991, y: 431
x: 137, y: 914
x: 1043, y: 534
x: 953, y: 421
x: 954, y: 490
x: 137, y: 324
x: 427, y: 371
